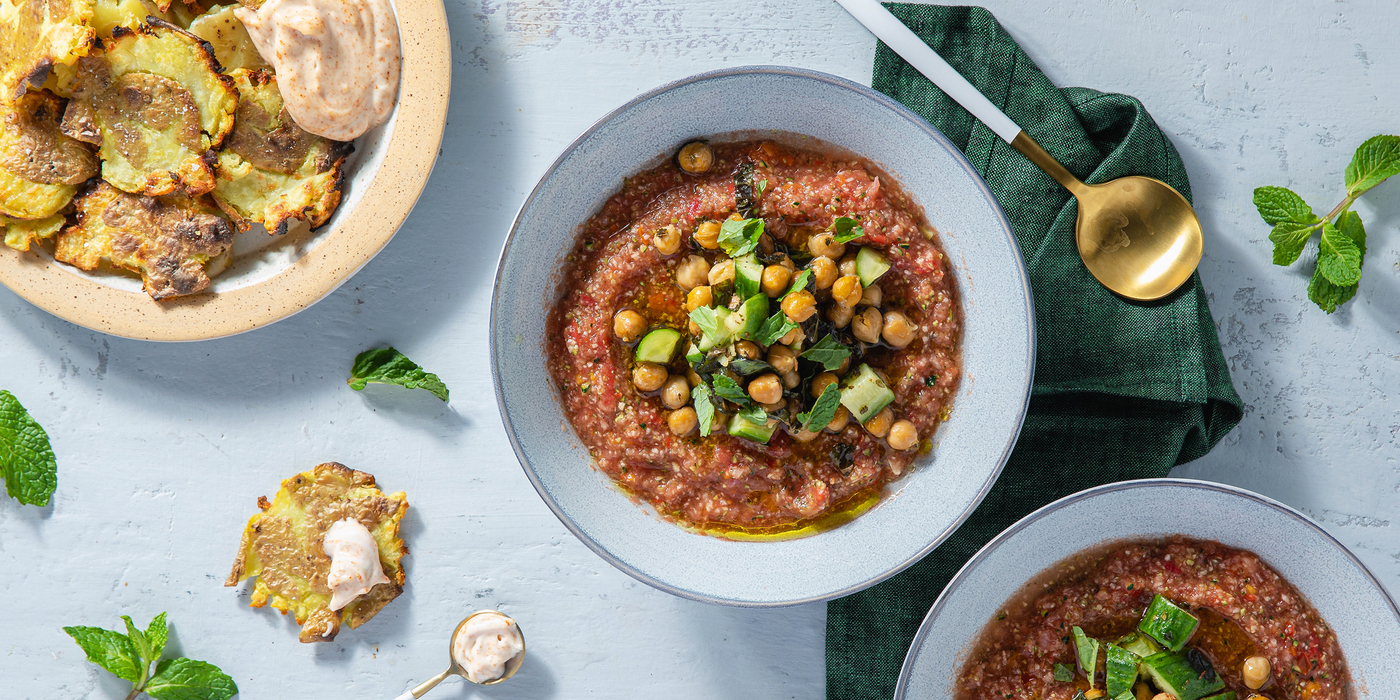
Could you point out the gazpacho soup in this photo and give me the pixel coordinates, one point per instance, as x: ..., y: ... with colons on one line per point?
x: 754, y: 338
x: 1174, y: 619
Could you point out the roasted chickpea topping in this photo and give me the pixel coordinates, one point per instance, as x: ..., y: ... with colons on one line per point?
x: 1093, y: 694
x: 872, y: 296
x: 793, y: 336
x: 667, y: 240
x: 825, y: 245
x: 1158, y: 696
x: 692, y: 272
x: 839, y: 421
x: 799, y: 306
x: 1255, y: 672
x: 824, y: 272
x: 695, y: 158
x: 707, y: 235
x: 787, y: 263
x: 847, y: 266
x: 682, y: 421
x: 775, y: 280
x: 821, y: 382
x: 628, y: 325
x: 778, y: 405
x: 896, y: 329
x: 676, y: 392
x: 804, y: 435
x: 722, y: 273
x: 791, y: 380
x: 847, y: 290
x: 692, y: 377
x: 866, y: 325
x: 782, y: 358
x: 698, y: 297
x: 903, y: 435
x: 748, y: 349
x: 649, y: 376
x: 766, y: 388
x: 879, y: 425
x: 840, y: 315
x: 845, y: 365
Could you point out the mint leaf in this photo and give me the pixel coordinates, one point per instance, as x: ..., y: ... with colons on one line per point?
x: 704, y: 317
x: 139, y: 641
x: 754, y: 414
x: 704, y: 408
x: 729, y: 390
x: 829, y: 352
x: 1289, y: 238
x: 1338, y: 257
x: 110, y: 650
x: 1349, y: 223
x: 1063, y: 673
x: 1373, y: 162
x: 27, y: 462
x: 745, y: 366
x: 187, y: 679
x: 773, y: 329
x: 846, y: 229
x: 799, y: 283
x: 1326, y: 295
x: 762, y: 185
x: 389, y: 366
x: 740, y: 237
x: 156, y: 634
x: 1280, y: 204
x: 823, y: 410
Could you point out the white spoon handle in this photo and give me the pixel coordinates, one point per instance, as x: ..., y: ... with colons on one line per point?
x: 913, y: 49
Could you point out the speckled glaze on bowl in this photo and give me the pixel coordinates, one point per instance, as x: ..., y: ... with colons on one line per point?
x: 382, y: 182
x: 920, y: 510
x: 1339, y: 586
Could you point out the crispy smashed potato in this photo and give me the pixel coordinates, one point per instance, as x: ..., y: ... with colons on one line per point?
x: 283, y: 546
x: 35, y: 35
x: 166, y: 240
x: 271, y: 171
x: 155, y: 104
x: 39, y: 166
x: 233, y: 47
x: 20, y: 234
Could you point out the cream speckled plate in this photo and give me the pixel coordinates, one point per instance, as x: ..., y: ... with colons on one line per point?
x: 273, y: 278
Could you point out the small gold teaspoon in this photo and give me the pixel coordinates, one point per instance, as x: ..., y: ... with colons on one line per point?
x: 455, y: 669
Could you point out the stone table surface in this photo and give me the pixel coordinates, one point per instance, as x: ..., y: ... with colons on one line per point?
x: 163, y: 449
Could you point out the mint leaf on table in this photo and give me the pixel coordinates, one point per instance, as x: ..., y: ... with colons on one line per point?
x: 740, y: 237
x: 1321, y: 291
x: 829, y: 352
x: 27, y: 462
x: 845, y: 229
x: 704, y: 408
x: 1280, y: 204
x: 1373, y: 162
x: 129, y: 657
x: 187, y: 679
x: 823, y: 410
x: 774, y: 329
x: 389, y: 366
x: 1338, y: 258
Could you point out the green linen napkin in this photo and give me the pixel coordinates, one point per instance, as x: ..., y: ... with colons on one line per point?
x: 1122, y: 390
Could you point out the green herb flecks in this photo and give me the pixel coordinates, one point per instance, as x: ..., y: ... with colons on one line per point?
x: 27, y: 462
x: 740, y: 237
x: 129, y: 657
x: 704, y: 408
x: 1341, y: 237
x: 845, y: 229
x: 389, y: 366
x: 829, y: 352
x: 823, y: 410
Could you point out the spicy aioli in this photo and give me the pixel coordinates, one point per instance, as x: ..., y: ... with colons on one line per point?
x: 337, y: 61
x: 486, y: 645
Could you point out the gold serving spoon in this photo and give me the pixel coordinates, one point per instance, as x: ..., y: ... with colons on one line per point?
x: 455, y: 669
x: 1139, y: 237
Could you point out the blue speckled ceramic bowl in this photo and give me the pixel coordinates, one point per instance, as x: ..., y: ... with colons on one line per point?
x: 920, y: 510
x: 1339, y: 586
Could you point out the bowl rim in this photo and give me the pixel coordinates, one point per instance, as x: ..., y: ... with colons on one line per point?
x: 901, y: 687
x: 420, y: 118
x: 1017, y: 260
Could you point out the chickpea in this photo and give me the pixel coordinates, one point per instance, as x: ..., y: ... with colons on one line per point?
x: 845, y: 365
x: 775, y: 280
x: 698, y: 297
x: 1093, y: 694
x: 897, y: 329
x: 695, y: 157
x: 866, y: 325
x: 693, y: 327
x: 748, y: 349
x: 804, y: 435
x: 839, y: 421
x: 649, y: 376
x: 791, y: 380
x: 799, y: 306
x: 847, y: 290
x: 786, y: 262
x: 692, y: 271
x: 778, y: 405
x: 872, y: 296
x: 793, y: 336
x: 821, y: 382
x: 682, y: 421
x: 628, y: 325
x: 722, y: 273
x: 847, y: 266
x: 766, y: 388
x: 667, y: 240
x: 824, y: 272
x: 782, y: 358
x: 707, y: 235
x: 676, y: 392
x: 879, y: 425
x: 825, y: 245
x: 840, y: 315
x: 903, y: 435
x: 1142, y: 692
x: 1255, y: 672
x: 1163, y: 696
x: 693, y: 377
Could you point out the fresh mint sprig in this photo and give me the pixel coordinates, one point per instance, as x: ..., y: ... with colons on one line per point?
x: 389, y: 366
x: 845, y: 229
x: 1341, y: 244
x: 129, y: 657
x: 27, y: 462
x: 740, y: 237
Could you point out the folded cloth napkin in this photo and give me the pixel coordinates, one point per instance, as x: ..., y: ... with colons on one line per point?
x: 1123, y: 390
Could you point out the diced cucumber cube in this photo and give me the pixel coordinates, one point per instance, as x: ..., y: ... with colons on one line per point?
x: 864, y: 393
x: 659, y: 346
x: 870, y: 266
